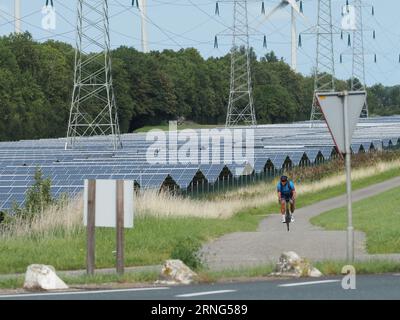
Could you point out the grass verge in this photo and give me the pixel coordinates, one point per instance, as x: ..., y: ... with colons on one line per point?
x: 377, y: 216
x: 12, y: 283
x: 328, y: 268
x: 137, y: 277
x: 331, y: 268
x: 99, y: 279
x: 258, y: 271
x: 150, y: 242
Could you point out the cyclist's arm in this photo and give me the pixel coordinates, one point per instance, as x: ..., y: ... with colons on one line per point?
x: 278, y: 189
x: 293, y: 190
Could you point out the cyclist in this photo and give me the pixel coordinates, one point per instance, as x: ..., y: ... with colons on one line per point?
x: 286, y: 191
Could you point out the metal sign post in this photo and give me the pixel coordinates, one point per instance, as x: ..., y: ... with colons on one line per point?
x: 120, y: 227
x: 91, y: 226
x: 347, y: 138
x: 341, y: 111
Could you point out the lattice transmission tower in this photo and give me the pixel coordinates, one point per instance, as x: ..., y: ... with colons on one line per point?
x: 240, y: 106
x: 358, y: 68
x: 324, y: 72
x: 93, y: 108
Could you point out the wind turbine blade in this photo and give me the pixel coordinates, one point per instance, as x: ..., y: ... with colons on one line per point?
x: 293, y: 3
x: 296, y: 8
x: 279, y: 6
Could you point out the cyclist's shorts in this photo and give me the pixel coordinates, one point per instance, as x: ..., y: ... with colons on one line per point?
x: 283, y: 200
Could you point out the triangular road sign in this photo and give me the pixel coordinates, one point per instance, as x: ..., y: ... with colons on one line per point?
x: 332, y: 106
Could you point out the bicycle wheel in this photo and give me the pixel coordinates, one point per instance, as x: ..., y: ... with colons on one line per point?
x: 288, y: 217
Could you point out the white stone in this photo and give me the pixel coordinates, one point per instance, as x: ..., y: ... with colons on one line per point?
x: 290, y: 257
x: 42, y: 277
x: 292, y: 265
x: 288, y: 261
x: 315, y: 273
x: 175, y: 271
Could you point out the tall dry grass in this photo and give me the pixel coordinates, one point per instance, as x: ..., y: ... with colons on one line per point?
x: 63, y: 218
x: 226, y: 205
x: 356, y: 174
x: 165, y: 205
x: 67, y: 219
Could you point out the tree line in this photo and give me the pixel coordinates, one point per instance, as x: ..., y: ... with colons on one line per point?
x: 36, y: 81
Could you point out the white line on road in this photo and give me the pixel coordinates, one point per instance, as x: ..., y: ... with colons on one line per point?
x: 306, y: 283
x: 205, y: 293
x: 22, y: 295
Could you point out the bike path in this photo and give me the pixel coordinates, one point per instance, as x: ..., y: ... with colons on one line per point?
x: 264, y: 246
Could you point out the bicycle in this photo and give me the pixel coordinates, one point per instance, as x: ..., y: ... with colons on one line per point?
x: 288, y: 215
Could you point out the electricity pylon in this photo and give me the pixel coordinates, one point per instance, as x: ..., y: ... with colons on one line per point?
x: 358, y: 68
x: 324, y: 72
x: 240, y: 106
x: 93, y: 108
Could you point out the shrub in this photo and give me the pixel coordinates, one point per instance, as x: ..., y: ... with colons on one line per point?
x: 336, y: 166
x: 38, y: 199
x: 187, y: 250
x: 38, y: 196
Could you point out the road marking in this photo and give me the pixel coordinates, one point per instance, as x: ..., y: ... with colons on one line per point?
x: 80, y: 292
x: 205, y: 293
x: 307, y: 283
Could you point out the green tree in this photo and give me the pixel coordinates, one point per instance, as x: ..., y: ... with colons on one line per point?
x: 36, y: 82
x: 38, y: 196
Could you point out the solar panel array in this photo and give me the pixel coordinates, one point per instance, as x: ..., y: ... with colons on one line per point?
x: 273, y: 144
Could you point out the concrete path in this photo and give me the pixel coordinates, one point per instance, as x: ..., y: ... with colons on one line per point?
x: 244, y: 249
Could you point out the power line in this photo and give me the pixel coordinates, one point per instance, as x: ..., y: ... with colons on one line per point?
x: 158, y: 27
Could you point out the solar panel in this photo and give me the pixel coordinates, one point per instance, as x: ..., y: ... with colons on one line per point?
x: 68, y: 168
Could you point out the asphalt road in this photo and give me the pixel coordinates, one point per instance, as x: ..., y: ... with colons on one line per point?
x: 374, y: 287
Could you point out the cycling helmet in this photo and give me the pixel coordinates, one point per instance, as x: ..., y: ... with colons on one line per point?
x: 284, y: 178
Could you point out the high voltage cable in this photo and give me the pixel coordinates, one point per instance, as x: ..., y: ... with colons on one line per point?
x: 13, y: 16
x: 158, y: 27
x: 172, y: 38
x: 34, y: 26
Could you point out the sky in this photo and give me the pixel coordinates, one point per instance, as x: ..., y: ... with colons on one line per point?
x: 176, y: 24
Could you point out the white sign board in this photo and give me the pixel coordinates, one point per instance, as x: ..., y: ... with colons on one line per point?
x: 106, y: 203
x: 333, y: 107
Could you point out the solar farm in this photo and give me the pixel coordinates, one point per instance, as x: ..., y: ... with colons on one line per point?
x: 276, y: 147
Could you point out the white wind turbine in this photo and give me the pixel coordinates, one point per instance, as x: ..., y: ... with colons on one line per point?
x: 143, y: 14
x: 295, y: 10
x: 17, y: 16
